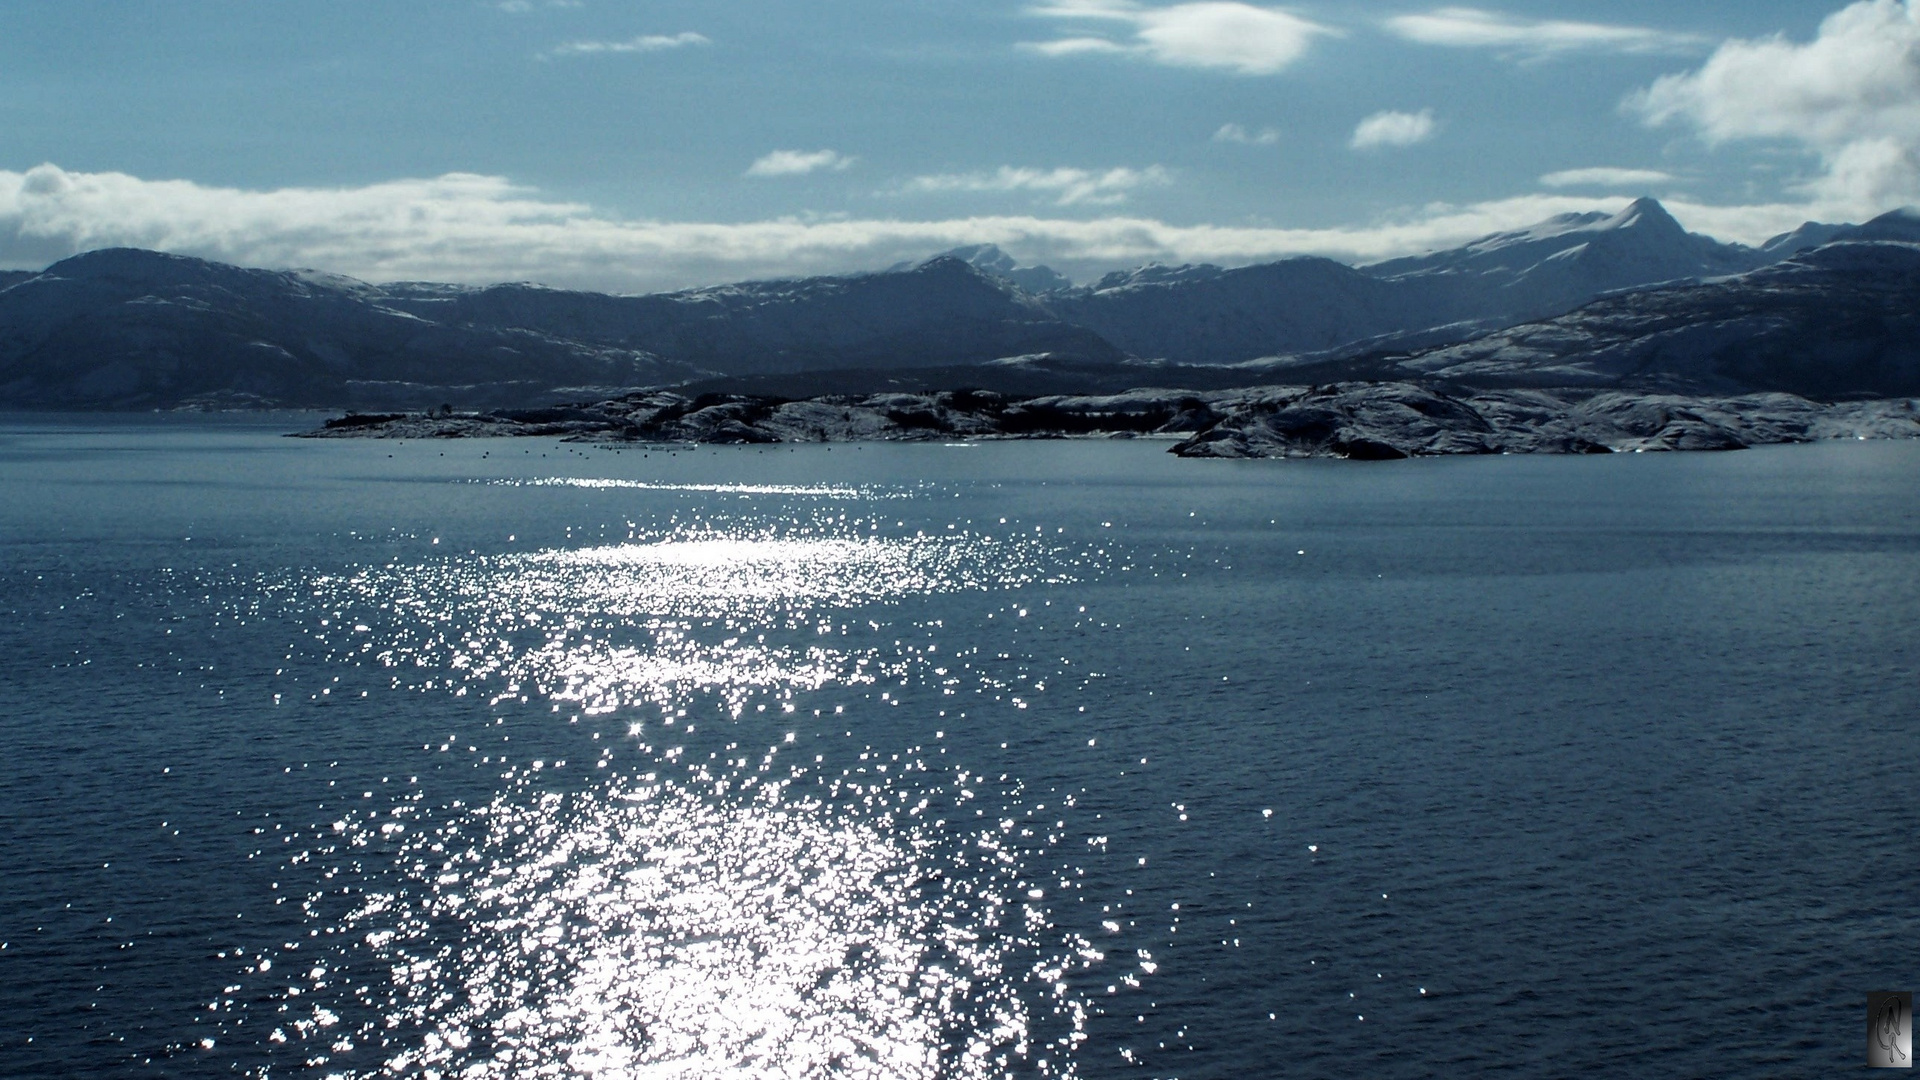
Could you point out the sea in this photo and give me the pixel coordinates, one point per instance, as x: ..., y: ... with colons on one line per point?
x: 523, y: 758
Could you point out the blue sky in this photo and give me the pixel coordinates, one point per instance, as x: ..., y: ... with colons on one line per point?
x: 639, y: 146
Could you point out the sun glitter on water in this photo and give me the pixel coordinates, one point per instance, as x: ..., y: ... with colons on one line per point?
x: 755, y: 915
x: 716, y: 927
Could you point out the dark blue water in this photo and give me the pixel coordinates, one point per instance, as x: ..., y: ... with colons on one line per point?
x: 1030, y: 759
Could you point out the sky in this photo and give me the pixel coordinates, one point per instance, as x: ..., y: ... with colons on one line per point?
x: 632, y: 147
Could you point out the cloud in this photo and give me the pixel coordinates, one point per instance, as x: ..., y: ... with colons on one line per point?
x: 467, y: 228
x: 1851, y: 96
x: 1070, y: 187
x: 1604, y: 176
x: 522, y: 7
x: 645, y: 43
x: 1074, y: 46
x: 1390, y: 128
x: 1234, y: 133
x: 1476, y: 28
x: 798, y: 163
x: 1220, y: 34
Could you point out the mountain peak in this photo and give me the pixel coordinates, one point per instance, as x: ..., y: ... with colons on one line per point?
x: 947, y: 265
x: 989, y: 259
x: 1646, y: 215
x: 983, y: 256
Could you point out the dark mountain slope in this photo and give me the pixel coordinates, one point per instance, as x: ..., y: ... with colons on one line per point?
x: 940, y: 312
x: 122, y: 328
x: 1204, y: 315
x: 1840, y: 321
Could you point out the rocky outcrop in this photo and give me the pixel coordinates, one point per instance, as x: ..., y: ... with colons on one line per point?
x: 1381, y: 421
x: 1364, y: 421
x: 743, y: 418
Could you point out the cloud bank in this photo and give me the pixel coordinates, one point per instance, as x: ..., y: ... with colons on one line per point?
x: 1476, y: 28
x: 1220, y: 34
x: 468, y: 228
x: 1390, y: 128
x: 1851, y: 96
x: 798, y: 163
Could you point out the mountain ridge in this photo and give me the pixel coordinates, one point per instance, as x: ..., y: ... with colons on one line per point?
x: 123, y: 328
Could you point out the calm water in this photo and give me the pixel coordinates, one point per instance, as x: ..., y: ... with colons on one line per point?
x: 502, y: 759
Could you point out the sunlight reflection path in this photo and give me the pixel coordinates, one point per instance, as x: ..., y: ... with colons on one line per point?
x: 687, y: 918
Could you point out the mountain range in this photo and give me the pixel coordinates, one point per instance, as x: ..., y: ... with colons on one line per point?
x: 1627, y: 299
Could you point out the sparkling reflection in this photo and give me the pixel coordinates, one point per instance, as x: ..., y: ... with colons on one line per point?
x: 713, y: 927
x: 684, y: 914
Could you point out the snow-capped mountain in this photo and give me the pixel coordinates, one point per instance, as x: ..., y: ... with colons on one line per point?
x: 1567, y: 260
x: 997, y: 263
x: 1208, y: 315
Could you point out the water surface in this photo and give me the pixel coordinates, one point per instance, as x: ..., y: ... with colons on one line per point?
x: 1037, y: 759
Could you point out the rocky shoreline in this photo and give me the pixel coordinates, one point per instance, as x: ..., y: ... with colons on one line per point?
x: 1359, y: 420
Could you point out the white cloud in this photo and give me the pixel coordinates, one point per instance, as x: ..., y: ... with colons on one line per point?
x: 645, y: 43
x: 1476, y: 28
x: 1851, y: 95
x: 1390, y: 128
x: 1070, y: 187
x: 1605, y: 176
x: 1234, y: 133
x: 1223, y: 34
x: 468, y: 228
x: 798, y: 163
x: 522, y: 7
